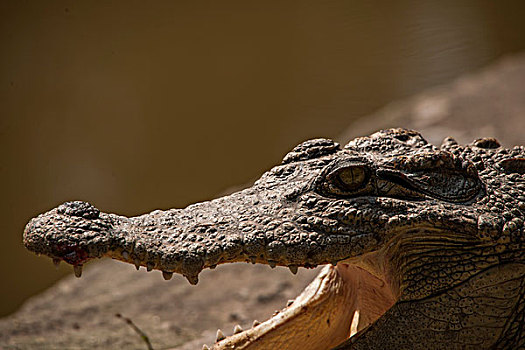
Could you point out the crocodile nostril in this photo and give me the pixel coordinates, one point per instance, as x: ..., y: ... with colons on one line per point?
x: 79, y: 208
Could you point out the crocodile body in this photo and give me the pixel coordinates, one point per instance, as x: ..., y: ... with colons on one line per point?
x: 424, y: 244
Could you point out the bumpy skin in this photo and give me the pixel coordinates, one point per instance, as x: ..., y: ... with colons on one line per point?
x: 448, y: 223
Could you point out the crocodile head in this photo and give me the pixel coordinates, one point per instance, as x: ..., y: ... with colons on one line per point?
x: 407, y: 228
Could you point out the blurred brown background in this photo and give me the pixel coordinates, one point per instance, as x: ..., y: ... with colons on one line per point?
x: 137, y: 105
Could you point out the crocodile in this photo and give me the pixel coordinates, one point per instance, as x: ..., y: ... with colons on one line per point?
x: 423, y: 246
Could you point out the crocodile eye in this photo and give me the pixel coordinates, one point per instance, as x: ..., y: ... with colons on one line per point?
x: 349, y: 178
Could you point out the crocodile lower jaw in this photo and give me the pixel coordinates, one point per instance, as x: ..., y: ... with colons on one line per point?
x: 340, y: 302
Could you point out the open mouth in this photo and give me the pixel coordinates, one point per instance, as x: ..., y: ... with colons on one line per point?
x: 342, y: 301
x: 339, y: 303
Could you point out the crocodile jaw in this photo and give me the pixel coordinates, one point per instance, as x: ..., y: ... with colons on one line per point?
x: 340, y: 302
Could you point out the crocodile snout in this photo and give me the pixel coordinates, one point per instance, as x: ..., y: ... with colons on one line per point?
x: 73, y: 232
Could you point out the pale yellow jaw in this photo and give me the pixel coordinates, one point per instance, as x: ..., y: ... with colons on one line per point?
x: 340, y: 302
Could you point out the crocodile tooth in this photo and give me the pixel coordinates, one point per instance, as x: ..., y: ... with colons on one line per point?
x: 220, y: 336
x: 125, y: 254
x: 137, y: 263
x: 149, y: 266
x: 237, y: 329
x: 293, y: 268
x: 272, y: 263
x: 355, y: 323
x: 167, y: 275
x: 56, y: 262
x: 205, y: 347
x: 290, y: 302
x: 78, y: 270
x: 192, y: 279
x: 213, y: 266
x: 255, y: 323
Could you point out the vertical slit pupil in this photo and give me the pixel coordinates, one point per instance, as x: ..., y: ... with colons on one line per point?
x: 351, y: 178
